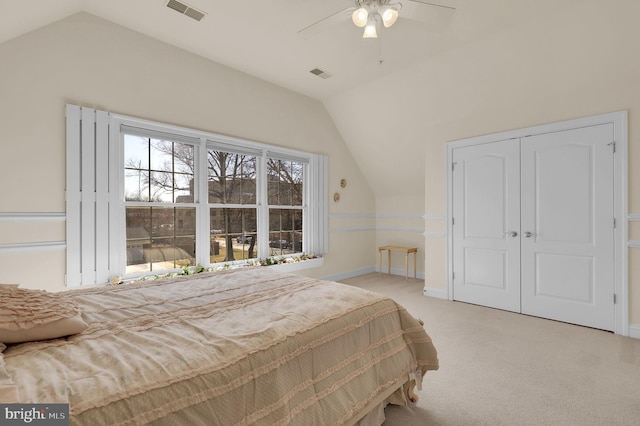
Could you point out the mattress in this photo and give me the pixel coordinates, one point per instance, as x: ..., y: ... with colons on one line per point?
x: 238, y: 347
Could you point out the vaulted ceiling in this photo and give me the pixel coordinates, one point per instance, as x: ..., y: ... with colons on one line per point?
x: 262, y: 38
x: 380, y: 128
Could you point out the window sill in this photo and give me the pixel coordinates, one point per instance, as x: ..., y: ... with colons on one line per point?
x: 299, y: 266
x: 284, y: 267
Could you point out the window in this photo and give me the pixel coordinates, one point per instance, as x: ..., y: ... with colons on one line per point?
x: 286, y: 206
x: 158, y: 175
x: 232, y: 196
x: 144, y: 197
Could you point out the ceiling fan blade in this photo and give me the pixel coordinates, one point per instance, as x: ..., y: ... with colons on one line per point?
x: 324, y: 23
x: 436, y: 19
x: 428, y: 3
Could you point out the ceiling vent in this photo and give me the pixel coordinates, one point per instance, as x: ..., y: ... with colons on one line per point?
x: 185, y: 9
x: 320, y: 73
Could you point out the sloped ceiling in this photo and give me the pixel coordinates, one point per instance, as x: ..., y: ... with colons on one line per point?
x: 366, y: 96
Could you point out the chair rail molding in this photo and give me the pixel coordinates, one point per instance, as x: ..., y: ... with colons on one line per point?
x: 376, y: 227
x: 435, y: 234
x: 18, y: 217
x: 32, y: 217
x: 21, y: 247
x: 434, y: 217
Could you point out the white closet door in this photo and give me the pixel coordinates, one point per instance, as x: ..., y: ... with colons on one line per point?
x: 486, y: 214
x: 567, y: 226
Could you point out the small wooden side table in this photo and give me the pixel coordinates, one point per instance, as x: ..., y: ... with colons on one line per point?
x: 406, y: 251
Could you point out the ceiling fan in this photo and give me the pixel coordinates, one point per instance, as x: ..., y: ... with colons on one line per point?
x: 367, y: 14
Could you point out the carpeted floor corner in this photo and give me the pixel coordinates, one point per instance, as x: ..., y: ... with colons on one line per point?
x: 502, y: 368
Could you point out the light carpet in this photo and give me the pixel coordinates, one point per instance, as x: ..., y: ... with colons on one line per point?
x: 502, y: 368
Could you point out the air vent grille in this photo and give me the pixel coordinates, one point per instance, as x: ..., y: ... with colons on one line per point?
x: 195, y: 14
x: 185, y: 9
x: 320, y: 73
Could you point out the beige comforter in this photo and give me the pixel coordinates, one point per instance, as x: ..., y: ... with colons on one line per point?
x: 248, y: 346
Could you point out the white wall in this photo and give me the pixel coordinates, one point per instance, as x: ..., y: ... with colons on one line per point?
x: 88, y: 61
x: 577, y: 60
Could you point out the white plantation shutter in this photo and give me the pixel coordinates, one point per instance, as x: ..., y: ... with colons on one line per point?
x: 87, y: 196
x: 318, y: 231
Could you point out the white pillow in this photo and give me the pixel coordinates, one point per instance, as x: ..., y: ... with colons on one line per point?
x: 28, y: 315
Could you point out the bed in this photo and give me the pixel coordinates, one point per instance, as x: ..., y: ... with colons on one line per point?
x: 238, y: 347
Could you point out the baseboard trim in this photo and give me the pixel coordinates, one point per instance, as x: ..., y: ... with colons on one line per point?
x: 634, y: 331
x: 401, y: 272
x: 350, y: 274
x: 437, y: 293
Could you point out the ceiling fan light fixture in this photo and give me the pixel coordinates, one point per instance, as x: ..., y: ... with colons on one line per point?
x: 389, y: 16
x: 360, y: 16
x: 370, y: 30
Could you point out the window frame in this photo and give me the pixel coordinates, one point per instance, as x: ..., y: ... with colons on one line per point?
x: 315, y: 209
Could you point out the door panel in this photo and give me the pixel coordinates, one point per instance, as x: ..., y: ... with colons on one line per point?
x: 563, y: 190
x: 485, y: 267
x: 486, y: 210
x: 564, y: 277
x: 567, y: 207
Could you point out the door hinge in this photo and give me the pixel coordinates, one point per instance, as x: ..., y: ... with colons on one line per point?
x: 453, y: 221
x: 614, y: 298
x: 613, y: 146
x: 453, y: 165
x: 614, y: 223
x: 453, y: 275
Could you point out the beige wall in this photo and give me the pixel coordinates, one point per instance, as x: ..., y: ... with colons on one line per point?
x: 87, y: 61
x: 578, y: 61
x: 400, y: 222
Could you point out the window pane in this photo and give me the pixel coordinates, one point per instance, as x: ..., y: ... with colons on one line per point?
x: 158, y: 171
x: 231, y: 177
x: 136, y: 185
x: 159, y: 238
x: 296, y: 235
x: 161, y: 187
x: 284, y: 182
x: 233, y: 234
x: 136, y: 152
x: 296, y: 183
x: 161, y: 155
x: 138, y: 222
x: 183, y: 158
x: 183, y: 188
x: 285, y: 232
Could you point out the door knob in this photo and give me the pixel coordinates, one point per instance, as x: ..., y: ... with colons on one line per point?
x: 512, y: 234
x: 529, y: 234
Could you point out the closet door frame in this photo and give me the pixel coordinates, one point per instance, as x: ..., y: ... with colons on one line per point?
x: 620, y: 195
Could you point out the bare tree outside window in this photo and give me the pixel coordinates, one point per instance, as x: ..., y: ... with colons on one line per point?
x: 286, y: 200
x: 232, y: 182
x: 162, y: 235
x: 161, y: 172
